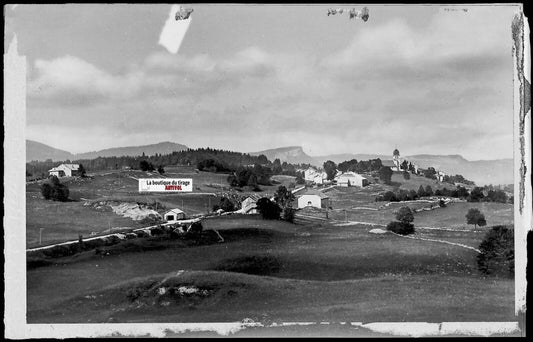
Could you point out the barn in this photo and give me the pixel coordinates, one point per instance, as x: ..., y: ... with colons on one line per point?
x: 174, y: 215
x: 351, y: 179
x: 315, y: 199
x: 249, y: 204
x: 64, y: 170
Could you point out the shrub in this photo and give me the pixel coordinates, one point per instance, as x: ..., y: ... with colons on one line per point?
x: 196, y: 227
x: 401, y: 228
x: 442, y: 204
x: 497, y: 251
x: 269, y: 210
x: 406, y: 175
x: 54, y: 190
x: 157, y: 231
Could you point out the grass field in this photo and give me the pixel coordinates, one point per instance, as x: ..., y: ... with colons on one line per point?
x: 318, y: 273
x: 317, y: 270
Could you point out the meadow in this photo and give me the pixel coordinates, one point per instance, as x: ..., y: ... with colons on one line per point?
x: 316, y: 269
x: 276, y: 271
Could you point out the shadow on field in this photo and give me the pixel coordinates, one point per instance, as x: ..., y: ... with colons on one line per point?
x: 254, y: 264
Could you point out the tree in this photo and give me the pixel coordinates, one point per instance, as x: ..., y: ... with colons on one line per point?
x: 497, y: 251
x: 300, y: 179
x: 385, y: 174
x: 421, y: 192
x: 146, y: 166
x: 406, y: 175
x: 283, y: 197
x: 476, y: 195
x: 269, y: 210
x: 54, y: 190
x: 429, y: 190
x: 405, y: 215
x: 403, y: 225
x: 46, y: 190
x: 81, y: 171
x: 160, y: 169
x: 475, y: 217
x: 225, y: 204
x: 331, y: 169
x: 404, y: 165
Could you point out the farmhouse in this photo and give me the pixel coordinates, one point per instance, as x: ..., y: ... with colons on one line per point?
x: 440, y: 176
x: 315, y: 199
x: 249, y: 205
x: 65, y: 170
x: 174, y: 215
x: 351, y: 179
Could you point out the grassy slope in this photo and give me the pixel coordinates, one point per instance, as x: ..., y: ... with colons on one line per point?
x: 63, y: 221
x: 326, y: 273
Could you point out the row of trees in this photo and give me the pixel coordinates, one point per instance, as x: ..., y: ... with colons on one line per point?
x: 360, y: 166
x: 476, y: 195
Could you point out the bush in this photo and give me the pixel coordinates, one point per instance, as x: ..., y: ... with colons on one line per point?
x: 54, y: 190
x: 401, y: 228
x: 269, y: 210
x: 497, y: 251
x: 196, y: 227
x: 442, y: 204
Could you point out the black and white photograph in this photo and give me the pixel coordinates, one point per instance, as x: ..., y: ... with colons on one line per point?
x: 261, y: 170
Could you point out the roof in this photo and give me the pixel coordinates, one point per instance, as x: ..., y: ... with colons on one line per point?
x: 315, y: 193
x: 350, y: 174
x: 175, y: 211
x: 254, y: 197
x: 73, y: 167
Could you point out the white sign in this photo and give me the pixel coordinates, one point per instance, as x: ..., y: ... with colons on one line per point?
x: 165, y: 184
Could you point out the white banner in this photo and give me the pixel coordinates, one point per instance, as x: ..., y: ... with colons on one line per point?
x: 165, y: 184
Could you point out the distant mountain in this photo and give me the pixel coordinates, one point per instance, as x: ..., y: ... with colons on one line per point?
x: 149, y: 150
x: 482, y: 172
x: 41, y: 152
x: 290, y: 154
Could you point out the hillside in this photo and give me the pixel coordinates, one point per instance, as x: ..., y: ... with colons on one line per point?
x: 149, y: 150
x: 41, y: 152
x: 290, y: 154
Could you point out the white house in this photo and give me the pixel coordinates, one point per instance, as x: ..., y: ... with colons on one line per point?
x: 174, y: 215
x: 65, y: 170
x: 249, y: 205
x: 310, y: 174
x: 315, y: 199
x: 351, y: 179
x: 440, y: 176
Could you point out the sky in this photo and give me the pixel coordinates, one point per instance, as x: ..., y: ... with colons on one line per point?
x: 420, y: 78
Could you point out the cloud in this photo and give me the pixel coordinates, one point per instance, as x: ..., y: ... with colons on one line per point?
x: 442, y: 88
x: 70, y: 80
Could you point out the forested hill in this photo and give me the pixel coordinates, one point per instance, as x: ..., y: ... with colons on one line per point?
x: 207, y: 159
